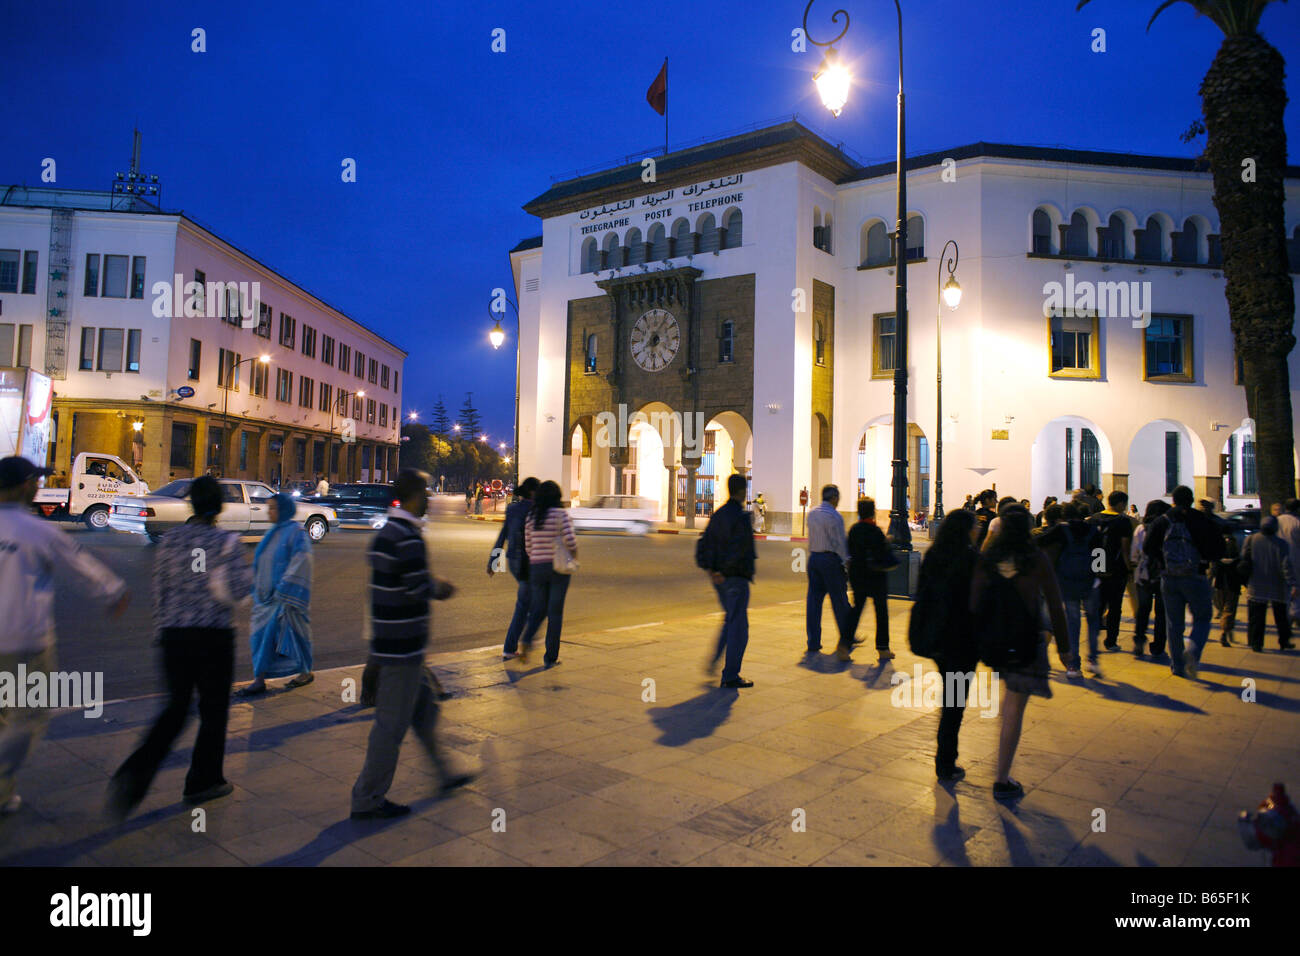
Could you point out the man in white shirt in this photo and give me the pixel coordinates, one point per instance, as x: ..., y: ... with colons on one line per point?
x: 30, y: 549
x: 322, y: 487
x: 828, y: 555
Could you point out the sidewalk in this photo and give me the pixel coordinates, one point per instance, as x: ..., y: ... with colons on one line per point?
x: 579, y: 766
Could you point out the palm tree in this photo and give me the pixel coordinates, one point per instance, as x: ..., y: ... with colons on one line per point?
x: 1243, y: 97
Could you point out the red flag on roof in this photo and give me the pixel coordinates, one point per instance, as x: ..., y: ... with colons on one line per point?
x: 657, y: 95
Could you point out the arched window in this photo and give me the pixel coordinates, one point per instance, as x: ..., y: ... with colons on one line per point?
x: 733, y: 223
x: 658, y: 239
x: 875, y: 244
x: 612, y: 255
x: 821, y: 231
x: 707, y: 227
x: 1076, y: 236
x: 1113, y: 244
x: 590, y: 255
x: 635, y: 247
x: 1042, y: 233
x: 591, y: 353
x: 1187, y: 243
x: 915, y: 238
x: 682, y: 244
x: 1150, y: 241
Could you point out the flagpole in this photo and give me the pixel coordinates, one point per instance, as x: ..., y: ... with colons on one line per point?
x: 665, y: 106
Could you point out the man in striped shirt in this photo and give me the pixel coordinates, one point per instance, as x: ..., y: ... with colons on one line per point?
x: 400, y: 590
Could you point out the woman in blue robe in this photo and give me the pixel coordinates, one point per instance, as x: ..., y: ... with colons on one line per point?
x: 280, y: 626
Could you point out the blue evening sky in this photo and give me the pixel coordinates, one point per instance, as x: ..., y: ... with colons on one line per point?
x: 450, y: 139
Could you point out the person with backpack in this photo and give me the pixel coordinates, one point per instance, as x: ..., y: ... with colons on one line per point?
x: 1070, y: 546
x: 726, y: 551
x: 1270, y: 582
x: 1011, y: 581
x: 941, y: 627
x: 870, y: 561
x: 1146, y: 577
x: 512, y: 536
x: 1186, y: 542
x: 1116, y: 539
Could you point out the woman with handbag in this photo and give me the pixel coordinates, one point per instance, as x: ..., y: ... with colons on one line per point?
x: 1011, y: 580
x: 200, y: 575
x: 552, y: 550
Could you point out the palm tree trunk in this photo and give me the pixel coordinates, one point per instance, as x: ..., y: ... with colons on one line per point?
x: 1244, y: 98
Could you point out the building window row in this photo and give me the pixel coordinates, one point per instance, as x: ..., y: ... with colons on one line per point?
x: 661, y: 243
x: 1122, y: 237
x: 121, y: 276
x: 19, y: 335
x: 111, y: 350
x: 16, y: 264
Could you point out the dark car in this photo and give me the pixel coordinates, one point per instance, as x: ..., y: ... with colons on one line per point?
x: 1242, y: 523
x: 358, y: 503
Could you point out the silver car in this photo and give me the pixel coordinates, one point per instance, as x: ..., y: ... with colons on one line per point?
x: 246, y: 509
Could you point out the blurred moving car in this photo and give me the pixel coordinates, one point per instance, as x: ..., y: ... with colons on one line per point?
x: 1242, y: 522
x: 358, y: 503
x: 246, y: 509
x: 627, y: 513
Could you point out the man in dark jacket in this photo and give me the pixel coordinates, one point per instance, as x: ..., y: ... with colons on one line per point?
x: 985, y: 513
x: 512, y: 536
x: 869, y: 560
x: 1184, y: 543
x: 726, y: 551
x: 1116, y: 541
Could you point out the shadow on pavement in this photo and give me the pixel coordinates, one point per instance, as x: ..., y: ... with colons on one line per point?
x: 692, y: 719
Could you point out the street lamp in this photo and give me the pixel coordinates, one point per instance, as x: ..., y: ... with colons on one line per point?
x: 232, y: 374
x: 832, y: 87
x: 949, y: 294
x: 497, y: 337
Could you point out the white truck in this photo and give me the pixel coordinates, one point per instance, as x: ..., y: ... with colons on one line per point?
x: 95, y: 481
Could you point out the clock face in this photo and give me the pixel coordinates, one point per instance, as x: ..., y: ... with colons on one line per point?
x: 655, y: 338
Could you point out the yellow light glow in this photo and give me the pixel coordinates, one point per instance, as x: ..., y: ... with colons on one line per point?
x: 833, y: 81
x: 952, y: 292
x: 497, y: 336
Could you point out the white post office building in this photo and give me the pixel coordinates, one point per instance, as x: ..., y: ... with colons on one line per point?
x: 736, y: 315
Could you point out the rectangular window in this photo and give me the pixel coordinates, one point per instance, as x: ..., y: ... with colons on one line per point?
x: 1231, y: 463
x: 201, y: 280
x: 196, y: 358
x: 1089, y: 459
x: 370, y: 411
x: 345, y: 357
x: 374, y: 372
x: 264, y: 314
x: 1074, y: 346
x: 243, y: 450
x: 383, y: 416
x: 359, y: 368
x: 1171, y: 462
x: 110, y: 350
x: 726, y: 342
x: 24, y: 347
x: 7, y: 330
x: 884, y: 355
x: 325, y: 397
x: 92, y: 275
x: 182, y: 455
x: 232, y: 304
x: 1249, y: 477
x: 356, y: 407
x: 133, y: 350
x: 115, y: 277
x: 306, y: 391
x: 1167, y: 348
x: 137, y: 277
x: 260, y: 377
x: 395, y: 380
x: 308, y: 341
x: 228, y: 369
x: 87, y: 350
x: 30, y: 260
x: 383, y: 377
x: 327, y: 349
x: 1069, y: 459
x: 8, y: 270
x: 283, y: 385
x: 287, y: 330
x: 300, y: 454
x: 318, y: 457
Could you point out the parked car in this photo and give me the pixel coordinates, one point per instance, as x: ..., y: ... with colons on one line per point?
x: 246, y: 509
x: 627, y: 513
x: 96, y: 480
x: 358, y: 503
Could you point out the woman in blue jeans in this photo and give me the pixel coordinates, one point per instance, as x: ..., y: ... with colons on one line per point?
x: 547, y: 524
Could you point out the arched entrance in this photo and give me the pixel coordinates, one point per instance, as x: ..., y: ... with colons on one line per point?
x: 1069, y: 453
x: 1163, y: 455
x: 874, y: 468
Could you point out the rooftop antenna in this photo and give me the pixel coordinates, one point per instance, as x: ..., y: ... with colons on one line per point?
x: 133, y: 182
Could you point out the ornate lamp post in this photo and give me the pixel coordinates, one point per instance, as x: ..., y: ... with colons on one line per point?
x: 948, y: 293
x: 833, y: 83
x: 497, y: 337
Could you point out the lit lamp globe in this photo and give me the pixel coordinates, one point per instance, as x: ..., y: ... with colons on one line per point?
x: 832, y: 81
x: 497, y: 336
x: 952, y: 293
